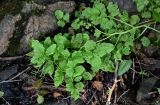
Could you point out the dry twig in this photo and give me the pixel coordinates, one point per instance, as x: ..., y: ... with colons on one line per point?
x: 113, y: 86
x: 12, y: 79
x: 10, y: 58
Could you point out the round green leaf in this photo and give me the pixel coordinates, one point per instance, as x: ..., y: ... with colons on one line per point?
x: 1, y: 93
x: 145, y: 41
x: 59, y: 14
x: 40, y: 99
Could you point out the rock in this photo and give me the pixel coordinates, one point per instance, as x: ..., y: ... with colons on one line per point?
x: 40, y: 25
x: 36, y: 27
x: 44, y: 2
x: 145, y: 88
x: 8, y: 72
x: 66, y: 6
x: 151, y: 64
x: 25, y: 26
x: 7, y: 27
x: 127, y: 5
x: 28, y: 7
x: 151, y: 50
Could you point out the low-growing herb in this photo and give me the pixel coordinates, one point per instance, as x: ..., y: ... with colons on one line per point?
x: 102, y: 36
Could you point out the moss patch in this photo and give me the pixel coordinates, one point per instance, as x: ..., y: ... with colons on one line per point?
x: 10, y: 7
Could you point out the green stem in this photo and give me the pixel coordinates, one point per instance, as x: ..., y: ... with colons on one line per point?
x: 141, y: 33
x: 152, y: 28
x: 124, y: 32
x: 119, y: 33
x: 120, y: 21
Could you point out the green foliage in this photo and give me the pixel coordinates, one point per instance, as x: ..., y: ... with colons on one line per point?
x: 61, y: 62
x: 134, y: 19
x: 1, y: 94
x: 149, y: 8
x: 145, y: 41
x: 141, y: 4
x: 113, y: 9
x: 124, y: 67
x: 62, y: 18
x: 40, y: 99
x: 102, y: 36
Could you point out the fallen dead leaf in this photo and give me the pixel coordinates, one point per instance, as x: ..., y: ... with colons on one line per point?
x: 83, y: 97
x: 56, y: 94
x: 37, y: 84
x: 94, y: 103
x: 97, y: 85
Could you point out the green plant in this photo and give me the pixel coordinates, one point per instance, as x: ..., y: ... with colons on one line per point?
x: 124, y: 67
x: 62, y: 18
x: 149, y: 8
x: 68, y: 58
x: 74, y: 59
x: 40, y: 99
x: 1, y: 94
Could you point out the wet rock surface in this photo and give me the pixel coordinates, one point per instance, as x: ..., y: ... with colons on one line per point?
x: 29, y: 7
x: 8, y: 72
x: 145, y: 88
x: 7, y: 27
x: 38, y: 24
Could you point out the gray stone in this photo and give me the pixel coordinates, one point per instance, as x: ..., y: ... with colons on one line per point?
x: 66, y: 6
x: 145, y: 88
x: 8, y: 72
x: 45, y: 2
x: 7, y: 27
x: 28, y: 7
x: 127, y: 5
x: 35, y: 25
x: 40, y: 25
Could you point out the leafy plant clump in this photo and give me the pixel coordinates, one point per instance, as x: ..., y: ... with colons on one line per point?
x: 103, y: 36
x: 149, y: 8
x: 62, y: 17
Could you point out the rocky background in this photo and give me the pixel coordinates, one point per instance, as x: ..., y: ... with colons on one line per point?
x: 22, y: 20
x: 30, y: 20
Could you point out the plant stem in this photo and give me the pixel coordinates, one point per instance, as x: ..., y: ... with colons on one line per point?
x: 124, y: 32
x: 120, y: 21
x: 119, y: 33
x: 152, y: 28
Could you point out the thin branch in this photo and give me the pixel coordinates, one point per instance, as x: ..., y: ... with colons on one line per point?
x: 6, y: 101
x: 123, y: 95
x: 10, y: 58
x: 113, y: 86
x: 12, y: 79
x: 134, y: 72
x: 91, y: 98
